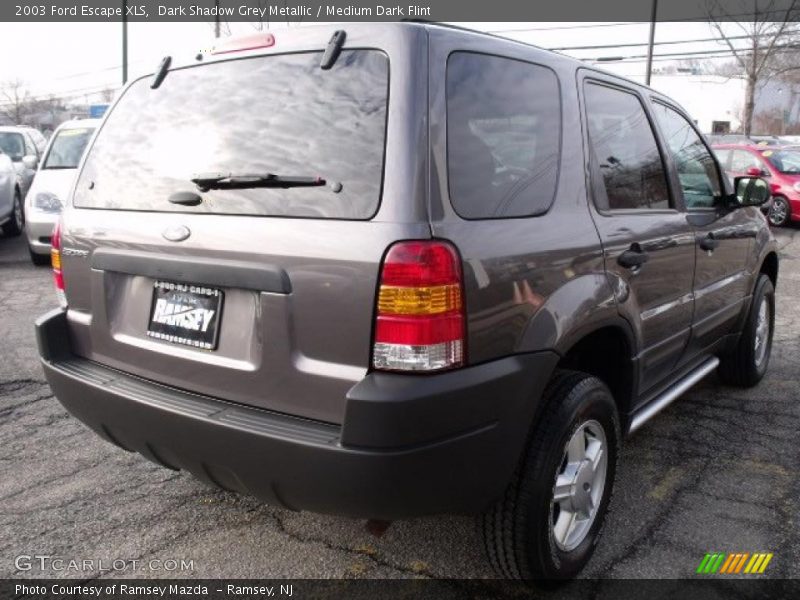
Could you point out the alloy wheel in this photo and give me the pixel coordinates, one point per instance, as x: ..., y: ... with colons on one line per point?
x: 761, y: 343
x: 579, y: 485
x: 778, y: 212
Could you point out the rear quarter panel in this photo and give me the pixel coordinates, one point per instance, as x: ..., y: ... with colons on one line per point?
x: 534, y: 283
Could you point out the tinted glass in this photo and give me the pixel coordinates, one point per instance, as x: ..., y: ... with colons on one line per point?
x: 67, y: 148
x: 625, y: 150
x: 271, y: 114
x: 696, y: 168
x: 12, y: 144
x: 503, y: 135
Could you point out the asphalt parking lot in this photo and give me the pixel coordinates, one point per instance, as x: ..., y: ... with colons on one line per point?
x: 717, y: 471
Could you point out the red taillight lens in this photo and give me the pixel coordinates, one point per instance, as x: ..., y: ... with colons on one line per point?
x: 420, y: 314
x: 55, y: 260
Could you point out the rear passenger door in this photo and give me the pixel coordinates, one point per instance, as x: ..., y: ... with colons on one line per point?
x: 722, y: 235
x: 648, y: 245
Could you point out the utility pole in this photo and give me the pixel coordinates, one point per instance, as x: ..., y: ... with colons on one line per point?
x: 651, y: 44
x: 124, y: 42
x: 216, y: 19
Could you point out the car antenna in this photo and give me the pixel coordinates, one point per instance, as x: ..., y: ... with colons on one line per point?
x: 333, y: 50
x: 161, y: 73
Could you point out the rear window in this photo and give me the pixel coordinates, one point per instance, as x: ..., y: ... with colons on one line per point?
x: 503, y: 136
x: 67, y: 148
x: 272, y: 114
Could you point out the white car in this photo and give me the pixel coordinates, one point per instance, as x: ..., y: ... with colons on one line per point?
x: 53, y: 182
x: 12, y: 219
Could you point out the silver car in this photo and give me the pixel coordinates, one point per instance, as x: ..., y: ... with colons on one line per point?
x: 12, y: 219
x: 53, y: 182
x: 25, y: 150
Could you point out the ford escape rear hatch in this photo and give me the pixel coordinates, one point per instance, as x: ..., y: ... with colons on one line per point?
x: 238, y: 196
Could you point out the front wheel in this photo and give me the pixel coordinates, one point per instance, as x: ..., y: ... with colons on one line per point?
x: 747, y: 364
x: 548, y: 523
x: 779, y: 213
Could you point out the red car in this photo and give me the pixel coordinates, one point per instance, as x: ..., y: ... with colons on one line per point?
x: 779, y: 165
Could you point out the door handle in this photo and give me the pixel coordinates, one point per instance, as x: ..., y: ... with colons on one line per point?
x: 633, y: 258
x: 709, y: 243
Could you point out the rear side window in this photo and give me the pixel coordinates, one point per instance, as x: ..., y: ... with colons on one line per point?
x: 503, y: 136
x: 624, y: 149
x: 277, y: 114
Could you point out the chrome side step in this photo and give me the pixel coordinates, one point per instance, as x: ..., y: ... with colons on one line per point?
x: 671, y: 394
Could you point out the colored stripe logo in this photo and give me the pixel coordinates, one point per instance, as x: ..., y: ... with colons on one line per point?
x: 733, y: 563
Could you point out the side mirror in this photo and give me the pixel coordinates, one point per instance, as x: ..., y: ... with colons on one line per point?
x: 30, y: 162
x: 753, y: 172
x: 750, y: 191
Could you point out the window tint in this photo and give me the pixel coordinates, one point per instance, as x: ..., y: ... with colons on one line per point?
x: 503, y: 136
x: 696, y: 168
x: 625, y: 150
x: 278, y: 114
x: 743, y: 160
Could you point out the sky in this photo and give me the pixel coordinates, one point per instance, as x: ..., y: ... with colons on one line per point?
x: 77, y: 59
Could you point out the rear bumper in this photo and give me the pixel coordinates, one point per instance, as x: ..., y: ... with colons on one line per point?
x: 409, y: 446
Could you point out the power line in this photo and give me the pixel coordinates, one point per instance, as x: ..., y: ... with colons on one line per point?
x: 708, y: 53
x: 762, y: 15
x: 563, y: 28
x: 635, y: 44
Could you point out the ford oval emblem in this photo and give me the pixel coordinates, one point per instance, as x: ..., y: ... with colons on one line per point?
x: 176, y: 233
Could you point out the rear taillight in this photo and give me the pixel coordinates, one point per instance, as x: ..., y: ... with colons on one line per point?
x: 55, y: 260
x: 420, y: 323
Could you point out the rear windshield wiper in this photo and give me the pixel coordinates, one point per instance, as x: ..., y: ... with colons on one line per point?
x: 242, y: 181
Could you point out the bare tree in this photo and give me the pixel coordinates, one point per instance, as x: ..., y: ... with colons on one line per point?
x: 15, y: 101
x: 769, y: 30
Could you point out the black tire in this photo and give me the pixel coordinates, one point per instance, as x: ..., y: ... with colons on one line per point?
x: 39, y: 259
x: 16, y: 224
x: 745, y: 366
x: 780, y: 212
x: 518, y: 531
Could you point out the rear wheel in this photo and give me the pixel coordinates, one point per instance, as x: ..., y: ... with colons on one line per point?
x: 16, y: 224
x: 747, y: 364
x: 779, y: 213
x: 548, y: 523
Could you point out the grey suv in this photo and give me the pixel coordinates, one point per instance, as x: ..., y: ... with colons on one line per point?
x: 401, y: 269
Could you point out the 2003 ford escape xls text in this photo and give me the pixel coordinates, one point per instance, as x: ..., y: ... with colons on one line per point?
x: 403, y: 269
